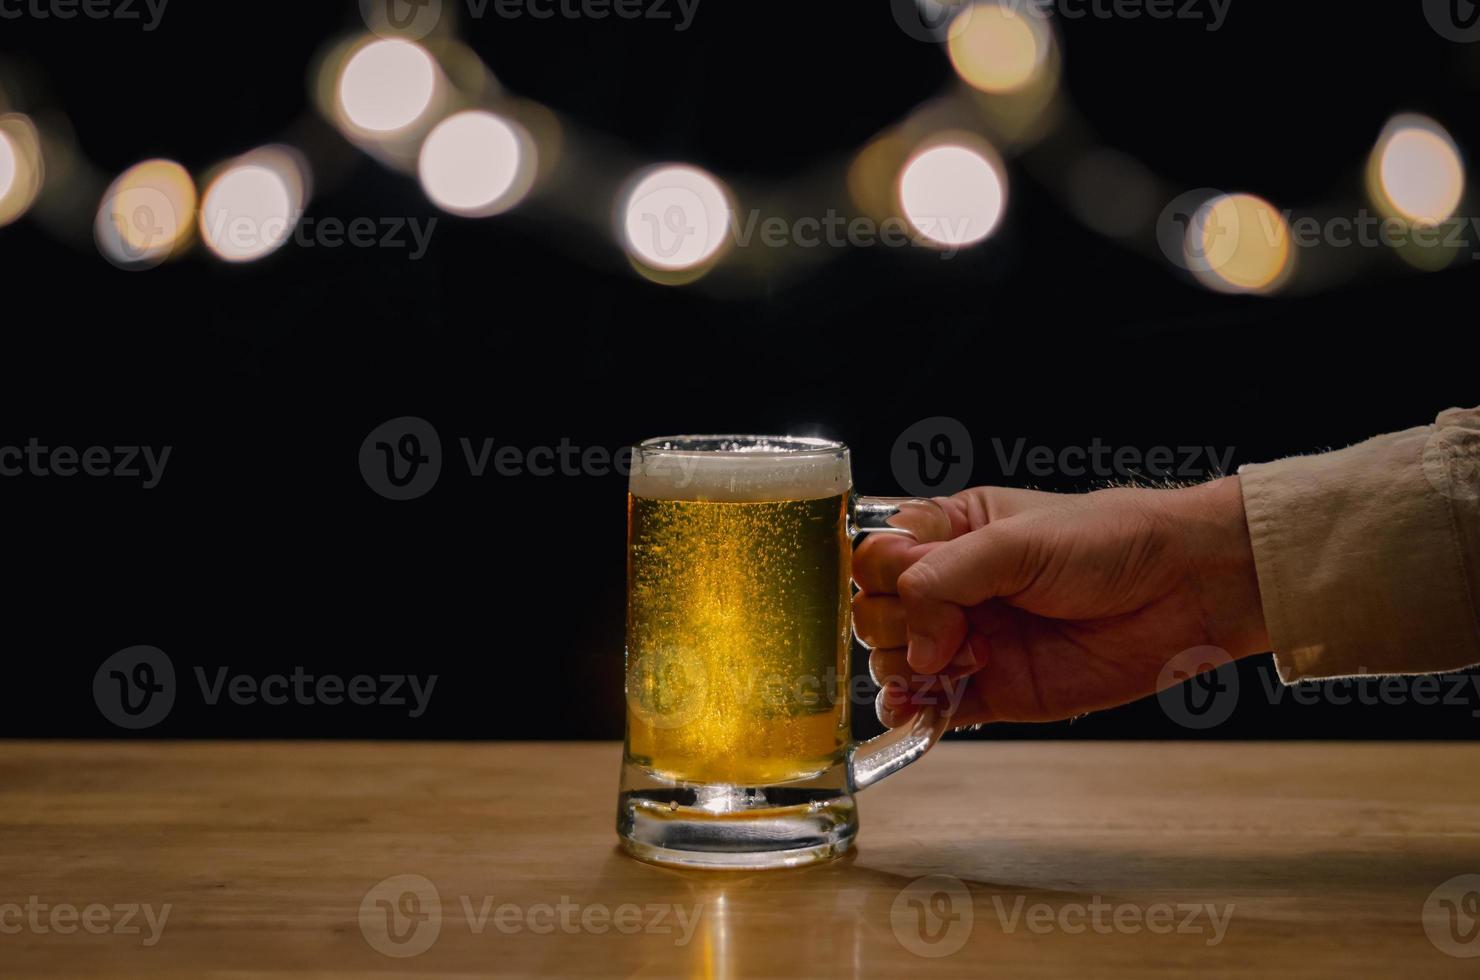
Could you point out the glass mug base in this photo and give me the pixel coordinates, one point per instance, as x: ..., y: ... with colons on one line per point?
x: 749, y: 828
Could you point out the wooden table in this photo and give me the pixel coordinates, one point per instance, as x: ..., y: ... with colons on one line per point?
x: 1054, y: 860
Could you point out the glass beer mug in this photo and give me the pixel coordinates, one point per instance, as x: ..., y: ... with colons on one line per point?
x: 739, y: 751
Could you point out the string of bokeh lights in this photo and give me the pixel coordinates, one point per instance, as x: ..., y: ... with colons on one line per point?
x: 429, y: 107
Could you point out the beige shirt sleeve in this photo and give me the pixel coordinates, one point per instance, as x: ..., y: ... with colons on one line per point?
x: 1369, y: 557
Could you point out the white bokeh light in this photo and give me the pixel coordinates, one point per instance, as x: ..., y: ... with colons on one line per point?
x: 387, y: 85
x: 952, y: 195
x: 676, y: 217
x: 248, y: 212
x: 476, y: 164
x: 1419, y: 172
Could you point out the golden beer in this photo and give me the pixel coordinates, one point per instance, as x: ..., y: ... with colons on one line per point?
x: 737, y: 635
x: 738, y: 558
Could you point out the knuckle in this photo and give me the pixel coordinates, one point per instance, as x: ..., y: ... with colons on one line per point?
x: 918, y: 581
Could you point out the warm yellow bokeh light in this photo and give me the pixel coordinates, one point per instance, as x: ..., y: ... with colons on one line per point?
x: 21, y: 169
x: 997, y: 48
x: 387, y: 85
x: 249, y: 210
x: 675, y: 217
x: 952, y: 195
x: 1417, y: 173
x: 476, y: 164
x: 146, y: 214
x: 1238, y: 243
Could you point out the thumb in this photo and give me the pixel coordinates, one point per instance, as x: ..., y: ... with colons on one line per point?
x: 992, y: 561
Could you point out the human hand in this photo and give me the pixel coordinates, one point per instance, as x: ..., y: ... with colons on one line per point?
x: 1019, y: 605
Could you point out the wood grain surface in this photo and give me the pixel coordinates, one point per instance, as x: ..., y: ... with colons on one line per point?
x: 1038, y: 860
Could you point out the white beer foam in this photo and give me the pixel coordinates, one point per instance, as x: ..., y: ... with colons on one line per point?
x: 739, y: 469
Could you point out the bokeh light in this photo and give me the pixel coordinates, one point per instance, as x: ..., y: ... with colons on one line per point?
x: 387, y: 85
x: 251, y: 207
x: 675, y: 217
x: 8, y: 164
x: 146, y: 215
x: 998, y: 48
x: 952, y: 195
x: 1239, y: 243
x: 21, y: 168
x: 476, y: 164
x: 1416, y: 173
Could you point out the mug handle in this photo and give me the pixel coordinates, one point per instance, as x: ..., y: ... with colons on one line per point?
x: 868, y: 762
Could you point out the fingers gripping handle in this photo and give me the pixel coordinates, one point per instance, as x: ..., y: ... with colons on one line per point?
x: 871, y: 761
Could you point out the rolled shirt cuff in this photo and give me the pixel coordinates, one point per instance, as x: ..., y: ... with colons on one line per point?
x: 1366, y: 555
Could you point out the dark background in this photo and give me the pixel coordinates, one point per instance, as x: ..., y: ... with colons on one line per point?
x: 263, y: 549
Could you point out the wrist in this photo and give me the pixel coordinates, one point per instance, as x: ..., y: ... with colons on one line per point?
x: 1221, y: 565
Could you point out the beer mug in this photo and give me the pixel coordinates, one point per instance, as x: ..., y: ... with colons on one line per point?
x: 739, y: 751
